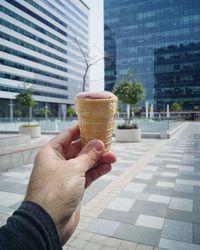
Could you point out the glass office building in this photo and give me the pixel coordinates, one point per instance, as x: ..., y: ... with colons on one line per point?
x: 160, y: 41
x: 37, y: 47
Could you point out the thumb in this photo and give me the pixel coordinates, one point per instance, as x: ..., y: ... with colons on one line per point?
x: 90, y: 154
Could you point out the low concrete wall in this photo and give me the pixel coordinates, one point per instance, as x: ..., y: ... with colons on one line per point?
x: 7, y: 140
x: 16, y: 156
x: 17, y: 159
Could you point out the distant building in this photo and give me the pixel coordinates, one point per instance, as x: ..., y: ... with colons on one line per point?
x: 37, y: 46
x: 177, y: 76
x: 138, y: 33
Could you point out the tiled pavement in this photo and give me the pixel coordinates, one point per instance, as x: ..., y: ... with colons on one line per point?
x: 150, y: 200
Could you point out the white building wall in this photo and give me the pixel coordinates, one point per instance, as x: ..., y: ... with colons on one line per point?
x: 15, y: 66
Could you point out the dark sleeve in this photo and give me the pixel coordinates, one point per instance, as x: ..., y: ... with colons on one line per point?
x: 29, y: 228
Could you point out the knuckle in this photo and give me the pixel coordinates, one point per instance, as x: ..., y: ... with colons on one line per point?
x: 92, y: 157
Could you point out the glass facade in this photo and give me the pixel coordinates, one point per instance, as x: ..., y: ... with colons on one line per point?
x: 38, y: 46
x: 160, y: 41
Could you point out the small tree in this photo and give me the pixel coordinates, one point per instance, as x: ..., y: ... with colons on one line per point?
x: 48, y: 113
x: 176, y: 107
x: 129, y: 91
x: 41, y: 112
x: 18, y: 113
x: 25, y: 99
x: 70, y: 111
x: 89, y: 62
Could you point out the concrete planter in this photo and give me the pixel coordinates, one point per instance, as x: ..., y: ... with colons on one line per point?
x: 34, y: 132
x: 128, y: 135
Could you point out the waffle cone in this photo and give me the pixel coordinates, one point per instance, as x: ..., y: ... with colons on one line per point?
x: 96, y: 119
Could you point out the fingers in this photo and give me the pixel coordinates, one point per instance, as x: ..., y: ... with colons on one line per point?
x: 94, y: 173
x: 108, y: 158
x: 90, y: 154
x: 61, y: 141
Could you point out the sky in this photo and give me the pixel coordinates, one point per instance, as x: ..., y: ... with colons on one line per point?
x: 96, y: 43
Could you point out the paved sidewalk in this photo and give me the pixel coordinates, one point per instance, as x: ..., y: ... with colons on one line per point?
x: 150, y: 200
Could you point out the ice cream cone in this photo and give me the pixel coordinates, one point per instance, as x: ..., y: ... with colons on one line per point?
x: 96, y: 116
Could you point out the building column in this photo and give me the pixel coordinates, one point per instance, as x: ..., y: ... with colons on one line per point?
x: 128, y: 111
x: 59, y: 111
x: 63, y: 110
x: 168, y: 114
x: 11, y: 109
x: 151, y: 111
x: 46, y: 110
x: 30, y: 113
x: 147, y: 110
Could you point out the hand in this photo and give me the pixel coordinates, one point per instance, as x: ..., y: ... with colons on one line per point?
x: 60, y: 175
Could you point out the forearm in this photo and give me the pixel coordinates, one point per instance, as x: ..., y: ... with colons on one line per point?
x: 31, y: 228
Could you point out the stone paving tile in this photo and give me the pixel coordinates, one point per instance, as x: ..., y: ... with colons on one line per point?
x: 129, y: 218
x: 135, y: 195
x: 178, y: 230
x: 13, y: 187
x: 172, y: 166
x: 108, y: 248
x: 143, y: 247
x: 112, y: 242
x: 183, y: 216
x: 105, y: 227
x: 150, y: 221
x: 3, y: 194
x: 98, y: 238
x: 186, y: 195
x: 169, y: 174
x: 147, y: 236
x: 78, y: 243
x: 188, y: 182
x: 177, y: 245
x: 128, y: 245
x: 189, y: 176
x: 122, y: 204
x: 135, y: 187
x: 196, y: 233
x: 158, y: 248
x: 151, y: 168
x: 159, y: 198
x: 6, y: 210
x: 149, y: 208
x: 11, y: 199
x: 181, y: 204
x: 196, y: 206
x: 144, y: 176
x: 109, y: 177
x: 85, y: 235
x: 165, y: 184
x: 159, y: 191
x: 71, y: 248
x: 94, y: 189
x: 92, y: 246
x: 25, y: 174
x: 196, y: 190
x: 184, y: 188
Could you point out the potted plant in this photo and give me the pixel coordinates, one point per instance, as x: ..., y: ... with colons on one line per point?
x: 176, y: 107
x: 130, y: 92
x: 41, y: 112
x: 18, y: 114
x: 70, y: 112
x: 26, y: 101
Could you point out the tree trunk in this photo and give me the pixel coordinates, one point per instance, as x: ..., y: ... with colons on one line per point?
x: 128, y: 114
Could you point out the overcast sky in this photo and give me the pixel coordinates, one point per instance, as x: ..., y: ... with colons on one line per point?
x: 96, y: 43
